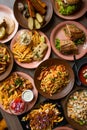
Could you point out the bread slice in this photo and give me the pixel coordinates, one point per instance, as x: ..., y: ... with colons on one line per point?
x: 68, y: 46
x: 73, y: 32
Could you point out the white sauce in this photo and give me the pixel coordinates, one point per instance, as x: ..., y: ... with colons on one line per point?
x: 27, y: 95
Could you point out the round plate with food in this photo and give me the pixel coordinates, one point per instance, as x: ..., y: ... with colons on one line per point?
x: 81, y: 63
x: 8, y: 24
x: 33, y: 14
x: 75, y: 108
x: 70, y: 9
x: 6, y: 61
x: 30, y: 48
x: 47, y: 115
x: 54, y: 78
x: 11, y: 95
x: 69, y: 38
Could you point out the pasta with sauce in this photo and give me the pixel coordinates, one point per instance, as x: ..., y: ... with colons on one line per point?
x: 53, y: 78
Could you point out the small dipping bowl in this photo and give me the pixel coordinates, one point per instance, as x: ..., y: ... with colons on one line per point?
x: 27, y: 95
x: 82, y: 74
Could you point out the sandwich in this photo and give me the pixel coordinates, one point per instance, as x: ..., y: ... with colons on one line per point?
x: 66, y: 46
x: 74, y: 33
x: 68, y: 7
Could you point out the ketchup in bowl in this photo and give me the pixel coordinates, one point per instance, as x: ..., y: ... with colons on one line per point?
x: 17, y: 106
x: 83, y: 74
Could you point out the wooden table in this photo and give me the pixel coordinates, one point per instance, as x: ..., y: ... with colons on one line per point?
x: 12, y: 121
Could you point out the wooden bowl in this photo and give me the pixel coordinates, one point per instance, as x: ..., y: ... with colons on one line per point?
x: 63, y: 92
x: 23, y: 21
x: 73, y: 123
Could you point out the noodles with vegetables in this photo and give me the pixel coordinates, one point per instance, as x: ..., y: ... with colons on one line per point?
x: 53, y: 78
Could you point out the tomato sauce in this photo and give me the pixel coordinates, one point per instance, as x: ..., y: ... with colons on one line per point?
x: 83, y: 74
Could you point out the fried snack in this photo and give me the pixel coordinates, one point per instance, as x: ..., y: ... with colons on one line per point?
x: 30, y: 49
x: 4, y: 59
x: 53, y: 79
x: 12, y: 88
x: 44, y: 117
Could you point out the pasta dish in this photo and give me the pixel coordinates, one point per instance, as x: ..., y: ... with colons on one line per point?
x: 12, y: 88
x: 53, y: 78
x: 4, y: 59
x: 44, y: 117
x: 29, y: 46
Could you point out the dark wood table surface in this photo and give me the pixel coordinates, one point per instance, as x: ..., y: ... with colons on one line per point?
x: 12, y: 121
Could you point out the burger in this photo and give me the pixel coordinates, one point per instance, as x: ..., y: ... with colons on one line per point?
x: 68, y: 7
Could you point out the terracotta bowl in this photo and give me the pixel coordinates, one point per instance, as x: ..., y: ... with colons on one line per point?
x: 74, y: 16
x: 71, y: 121
x: 23, y: 21
x: 47, y: 63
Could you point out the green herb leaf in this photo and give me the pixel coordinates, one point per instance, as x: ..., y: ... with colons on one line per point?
x: 18, y: 81
x: 57, y: 44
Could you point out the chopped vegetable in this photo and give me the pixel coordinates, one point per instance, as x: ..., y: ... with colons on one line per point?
x: 57, y: 43
x: 37, y: 24
x: 31, y: 23
x: 18, y: 82
x: 17, y: 105
x: 79, y: 41
x: 39, y: 17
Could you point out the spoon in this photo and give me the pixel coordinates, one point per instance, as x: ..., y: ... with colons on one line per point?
x: 76, y: 70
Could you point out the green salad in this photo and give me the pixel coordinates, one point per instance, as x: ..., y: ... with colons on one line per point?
x: 66, y: 9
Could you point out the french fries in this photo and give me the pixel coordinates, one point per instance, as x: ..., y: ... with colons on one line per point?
x: 4, y: 59
x: 12, y: 87
x: 34, y: 51
x: 44, y: 117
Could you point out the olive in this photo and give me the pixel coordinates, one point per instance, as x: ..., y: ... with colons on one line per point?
x: 2, y: 32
